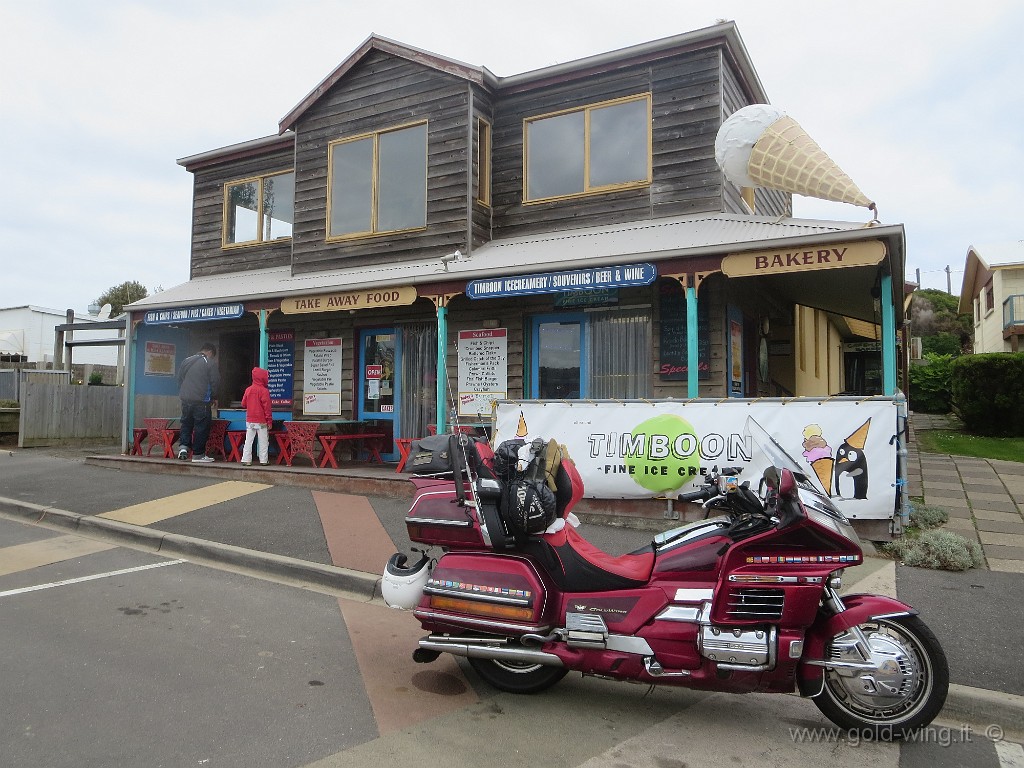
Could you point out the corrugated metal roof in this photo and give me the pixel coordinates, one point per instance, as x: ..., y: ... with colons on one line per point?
x: 1000, y: 254
x: 647, y: 240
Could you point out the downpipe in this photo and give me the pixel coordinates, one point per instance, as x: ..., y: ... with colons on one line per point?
x: 481, y: 650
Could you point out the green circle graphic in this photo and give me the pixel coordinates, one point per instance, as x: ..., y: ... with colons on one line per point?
x: 663, y: 474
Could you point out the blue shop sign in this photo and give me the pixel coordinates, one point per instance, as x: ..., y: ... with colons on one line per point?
x: 622, y: 276
x: 194, y: 314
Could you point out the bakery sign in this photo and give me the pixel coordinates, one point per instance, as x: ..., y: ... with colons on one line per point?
x: 371, y: 298
x: 790, y: 261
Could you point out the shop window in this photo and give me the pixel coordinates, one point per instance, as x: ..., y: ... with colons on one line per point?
x: 259, y: 209
x: 483, y: 162
x: 596, y: 148
x: 378, y: 183
x: 594, y: 355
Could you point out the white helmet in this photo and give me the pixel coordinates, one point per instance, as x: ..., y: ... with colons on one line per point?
x: 402, y: 585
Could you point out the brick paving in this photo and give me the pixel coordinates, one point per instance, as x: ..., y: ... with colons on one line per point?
x: 984, y: 498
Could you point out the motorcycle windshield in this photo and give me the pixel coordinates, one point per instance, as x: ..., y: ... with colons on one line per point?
x: 812, y: 493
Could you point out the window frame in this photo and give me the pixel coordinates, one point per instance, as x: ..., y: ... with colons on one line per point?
x: 484, y: 144
x: 260, y: 240
x: 589, y: 190
x: 374, y: 181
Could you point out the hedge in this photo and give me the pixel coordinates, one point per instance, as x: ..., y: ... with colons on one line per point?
x: 988, y: 393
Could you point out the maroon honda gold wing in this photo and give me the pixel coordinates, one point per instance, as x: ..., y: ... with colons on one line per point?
x: 744, y: 600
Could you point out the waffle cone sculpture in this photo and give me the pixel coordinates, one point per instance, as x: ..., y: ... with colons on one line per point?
x: 761, y: 146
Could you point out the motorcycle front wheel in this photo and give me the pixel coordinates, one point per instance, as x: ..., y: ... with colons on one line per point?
x: 904, y: 693
x: 515, y: 676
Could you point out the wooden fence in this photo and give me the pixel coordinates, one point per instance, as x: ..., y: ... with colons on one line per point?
x: 54, y: 413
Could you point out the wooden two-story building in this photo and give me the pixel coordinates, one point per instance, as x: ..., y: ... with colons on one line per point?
x: 422, y: 235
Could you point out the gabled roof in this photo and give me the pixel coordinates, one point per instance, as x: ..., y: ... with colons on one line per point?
x: 378, y: 43
x: 982, y: 260
x: 718, y: 34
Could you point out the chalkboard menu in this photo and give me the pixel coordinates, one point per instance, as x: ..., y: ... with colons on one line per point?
x: 281, y: 366
x: 674, y: 363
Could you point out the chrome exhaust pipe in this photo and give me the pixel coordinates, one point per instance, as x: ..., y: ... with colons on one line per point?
x: 481, y: 650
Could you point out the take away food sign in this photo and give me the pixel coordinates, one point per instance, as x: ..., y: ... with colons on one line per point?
x: 659, y: 449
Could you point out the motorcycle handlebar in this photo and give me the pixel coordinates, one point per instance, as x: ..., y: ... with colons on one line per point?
x: 701, y: 494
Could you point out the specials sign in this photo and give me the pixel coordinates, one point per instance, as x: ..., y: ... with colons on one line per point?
x: 638, y: 449
x: 372, y: 298
x: 791, y: 261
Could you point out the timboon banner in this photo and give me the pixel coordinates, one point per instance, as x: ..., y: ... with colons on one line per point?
x: 658, y: 448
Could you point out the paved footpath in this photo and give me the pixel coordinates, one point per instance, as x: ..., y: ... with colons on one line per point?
x: 984, y: 497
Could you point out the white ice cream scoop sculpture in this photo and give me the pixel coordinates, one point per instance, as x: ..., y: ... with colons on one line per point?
x: 761, y: 146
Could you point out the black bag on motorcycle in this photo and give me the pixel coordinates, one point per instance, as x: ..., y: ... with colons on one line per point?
x: 433, y: 455
x: 527, y: 503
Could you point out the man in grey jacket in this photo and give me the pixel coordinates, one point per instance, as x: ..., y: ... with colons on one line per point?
x: 198, y: 378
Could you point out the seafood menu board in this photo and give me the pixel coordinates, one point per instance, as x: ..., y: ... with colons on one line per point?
x: 483, y: 370
x: 321, y: 383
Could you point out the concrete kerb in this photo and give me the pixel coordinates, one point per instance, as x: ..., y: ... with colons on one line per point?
x: 355, y: 584
x: 984, y: 709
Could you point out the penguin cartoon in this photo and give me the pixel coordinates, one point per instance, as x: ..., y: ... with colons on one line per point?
x: 850, y: 460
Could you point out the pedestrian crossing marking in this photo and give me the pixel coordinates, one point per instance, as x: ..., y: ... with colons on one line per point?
x: 171, y: 506
x: 24, y: 557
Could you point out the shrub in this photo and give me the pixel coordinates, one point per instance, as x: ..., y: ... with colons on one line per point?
x: 95, y: 377
x: 930, y: 384
x: 928, y: 517
x: 940, y: 549
x: 987, y: 391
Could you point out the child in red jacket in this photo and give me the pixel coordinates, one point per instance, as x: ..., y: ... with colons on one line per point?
x: 258, y: 417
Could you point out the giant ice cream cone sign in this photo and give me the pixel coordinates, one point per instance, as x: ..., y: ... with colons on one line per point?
x: 762, y: 146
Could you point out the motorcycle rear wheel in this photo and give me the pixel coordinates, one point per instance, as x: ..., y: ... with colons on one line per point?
x: 517, y: 677
x: 915, y: 674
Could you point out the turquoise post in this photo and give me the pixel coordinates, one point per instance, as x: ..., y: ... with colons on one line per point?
x: 888, y: 339
x: 442, y: 369
x: 264, y: 338
x: 692, y: 385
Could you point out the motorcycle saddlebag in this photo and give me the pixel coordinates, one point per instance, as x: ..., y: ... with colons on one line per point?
x: 473, y: 590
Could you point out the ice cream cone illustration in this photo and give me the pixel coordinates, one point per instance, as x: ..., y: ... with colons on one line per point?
x: 522, y: 430
x: 761, y: 146
x: 819, y: 456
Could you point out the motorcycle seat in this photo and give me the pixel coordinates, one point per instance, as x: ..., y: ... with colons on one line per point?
x: 576, y: 565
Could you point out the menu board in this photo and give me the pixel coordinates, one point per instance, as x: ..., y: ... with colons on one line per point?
x: 159, y: 359
x: 483, y: 370
x: 321, y: 384
x: 281, y: 366
x: 674, y: 361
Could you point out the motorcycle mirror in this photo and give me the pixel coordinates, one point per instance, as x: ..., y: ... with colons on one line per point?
x: 787, y: 485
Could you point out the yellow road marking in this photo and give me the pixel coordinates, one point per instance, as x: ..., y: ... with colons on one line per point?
x: 171, y: 506
x: 23, y: 557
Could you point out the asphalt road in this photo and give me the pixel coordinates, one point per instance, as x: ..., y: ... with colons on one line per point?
x: 184, y: 665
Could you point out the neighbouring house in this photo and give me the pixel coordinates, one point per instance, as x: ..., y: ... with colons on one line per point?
x: 422, y: 235
x: 993, y: 294
x: 28, y: 333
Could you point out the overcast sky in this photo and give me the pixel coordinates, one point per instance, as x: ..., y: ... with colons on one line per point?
x: 919, y: 102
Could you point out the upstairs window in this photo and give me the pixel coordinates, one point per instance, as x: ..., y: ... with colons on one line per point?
x: 378, y: 183
x: 592, y: 149
x: 259, y: 209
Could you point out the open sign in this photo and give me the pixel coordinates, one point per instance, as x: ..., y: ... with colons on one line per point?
x: 374, y: 371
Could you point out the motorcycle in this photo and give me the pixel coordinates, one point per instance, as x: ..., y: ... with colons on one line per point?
x: 745, y: 600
